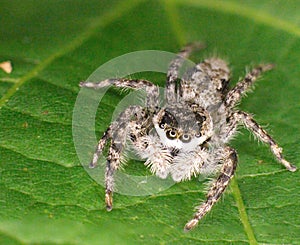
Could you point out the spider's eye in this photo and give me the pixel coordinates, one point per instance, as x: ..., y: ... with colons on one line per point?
x: 185, y: 138
x: 171, y: 134
x: 162, y: 125
x: 198, y: 135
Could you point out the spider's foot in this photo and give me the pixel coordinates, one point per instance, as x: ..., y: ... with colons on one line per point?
x: 266, y: 67
x: 292, y: 168
x: 92, y: 165
x: 289, y: 166
x: 191, y: 225
x: 108, y: 200
x: 86, y: 84
x: 196, y: 45
x: 97, y: 85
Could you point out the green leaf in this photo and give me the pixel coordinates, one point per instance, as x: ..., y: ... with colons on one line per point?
x: 46, y: 196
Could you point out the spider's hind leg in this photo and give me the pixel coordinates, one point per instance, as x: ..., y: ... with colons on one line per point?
x: 262, y: 135
x: 236, y: 93
x: 173, y: 71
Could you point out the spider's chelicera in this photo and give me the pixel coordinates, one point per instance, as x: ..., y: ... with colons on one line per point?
x: 190, y: 134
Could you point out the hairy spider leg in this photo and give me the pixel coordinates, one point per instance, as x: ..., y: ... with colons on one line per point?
x: 236, y: 93
x: 173, y: 70
x: 118, y: 139
x: 117, y: 132
x: 217, y: 188
x: 152, y: 100
x: 112, y: 164
x: 262, y: 135
x: 102, y: 142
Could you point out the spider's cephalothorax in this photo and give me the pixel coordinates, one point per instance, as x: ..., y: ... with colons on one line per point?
x: 190, y: 134
x: 183, y: 127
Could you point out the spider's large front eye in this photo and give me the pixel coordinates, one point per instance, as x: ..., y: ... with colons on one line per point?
x: 185, y: 138
x: 171, y: 134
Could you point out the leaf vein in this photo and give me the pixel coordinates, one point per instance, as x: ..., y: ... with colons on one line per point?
x: 101, y: 22
x: 247, y: 12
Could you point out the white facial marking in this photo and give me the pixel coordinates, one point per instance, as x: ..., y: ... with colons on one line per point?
x: 177, y: 143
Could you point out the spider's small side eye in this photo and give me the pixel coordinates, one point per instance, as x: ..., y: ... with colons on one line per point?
x: 185, y: 138
x: 162, y: 125
x: 198, y: 135
x: 171, y: 134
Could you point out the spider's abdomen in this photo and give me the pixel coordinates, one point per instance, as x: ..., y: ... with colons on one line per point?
x: 206, y: 84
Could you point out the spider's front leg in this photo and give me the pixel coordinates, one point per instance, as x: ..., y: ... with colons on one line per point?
x: 102, y: 142
x: 112, y: 164
x: 117, y: 132
x: 218, y: 187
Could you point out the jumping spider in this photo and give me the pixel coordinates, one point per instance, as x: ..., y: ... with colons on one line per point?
x: 190, y: 134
